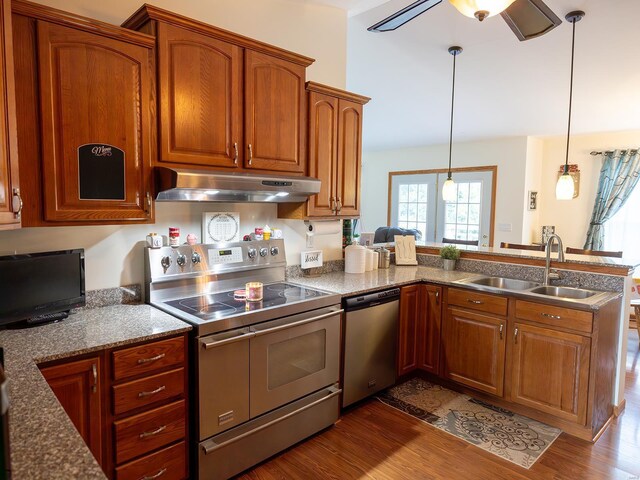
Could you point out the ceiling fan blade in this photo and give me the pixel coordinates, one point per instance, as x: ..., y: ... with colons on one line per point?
x: 530, y: 19
x: 403, y: 16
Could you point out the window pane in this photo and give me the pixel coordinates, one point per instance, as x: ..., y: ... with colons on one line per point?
x: 463, y: 192
x: 422, y: 227
x: 475, y: 192
x: 463, y: 213
x: 404, y: 193
x: 402, y: 211
x: 474, y: 233
x: 450, y: 213
x: 412, y: 225
x: 422, y: 212
x: 413, y: 212
x: 413, y: 193
x: 402, y: 224
x: 474, y: 214
x: 450, y: 230
x: 461, y: 232
x: 422, y: 193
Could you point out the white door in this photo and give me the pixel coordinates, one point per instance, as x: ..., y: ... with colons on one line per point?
x: 414, y: 199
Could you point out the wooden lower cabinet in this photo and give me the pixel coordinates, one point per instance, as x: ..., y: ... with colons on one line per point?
x: 78, y: 388
x: 550, y: 371
x: 474, y: 350
x: 419, y: 330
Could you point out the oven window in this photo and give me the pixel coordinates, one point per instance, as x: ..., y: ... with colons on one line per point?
x: 296, y: 358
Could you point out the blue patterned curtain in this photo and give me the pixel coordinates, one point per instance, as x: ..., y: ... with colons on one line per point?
x: 618, y: 176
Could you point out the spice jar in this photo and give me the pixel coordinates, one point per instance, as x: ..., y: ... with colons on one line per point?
x: 174, y: 236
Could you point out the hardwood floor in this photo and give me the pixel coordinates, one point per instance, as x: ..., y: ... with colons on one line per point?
x: 377, y: 442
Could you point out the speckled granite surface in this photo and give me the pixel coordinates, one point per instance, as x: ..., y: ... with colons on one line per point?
x: 44, y: 442
x: 125, y: 295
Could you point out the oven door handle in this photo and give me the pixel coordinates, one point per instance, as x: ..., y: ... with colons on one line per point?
x: 213, y: 446
x: 242, y: 337
x: 298, y: 323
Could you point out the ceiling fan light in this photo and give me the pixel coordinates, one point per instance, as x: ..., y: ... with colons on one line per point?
x: 565, y: 187
x: 449, y: 190
x: 481, y: 9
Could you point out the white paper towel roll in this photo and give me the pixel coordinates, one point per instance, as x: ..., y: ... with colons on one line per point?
x: 324, y: 228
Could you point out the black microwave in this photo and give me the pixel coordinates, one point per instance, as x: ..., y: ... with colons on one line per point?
x: 40, y: 285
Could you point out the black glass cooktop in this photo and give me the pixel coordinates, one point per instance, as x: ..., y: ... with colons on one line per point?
x: 219, y: 305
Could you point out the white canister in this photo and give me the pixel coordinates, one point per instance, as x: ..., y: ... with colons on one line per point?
x: 369, y: 260
x: 355, y: 259
x: 376, y: 256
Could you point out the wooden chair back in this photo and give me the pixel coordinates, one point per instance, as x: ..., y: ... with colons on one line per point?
x: 597, y: 253
x: 460, y: 242
x: 518, y: 246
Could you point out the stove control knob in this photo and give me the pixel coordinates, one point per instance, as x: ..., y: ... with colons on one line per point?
x: 264, y: 251
x: 195, y: 258
x: 165, y: 262
x: 181, y: 260
x: 252, y: 253
x: 275, y: 251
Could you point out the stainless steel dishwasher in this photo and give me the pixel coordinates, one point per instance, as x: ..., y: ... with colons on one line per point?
x: 370, y: 342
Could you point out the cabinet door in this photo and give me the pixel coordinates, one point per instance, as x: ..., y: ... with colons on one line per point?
x: 550, y: 371
x: 77, y: 386
x: 410, y: 305
x: 349, y: 158
x: 10, y: 201
x: 430, y: 321
x: 323, y: 152
x: 474, y: 350
x: 95, y: 94
x: 200, y: 99
x: 274, y: 114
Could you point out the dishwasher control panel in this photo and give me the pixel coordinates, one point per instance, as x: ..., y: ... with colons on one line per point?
x: 371, y: 299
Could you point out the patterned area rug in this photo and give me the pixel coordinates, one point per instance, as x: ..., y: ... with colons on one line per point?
x: 513, y: 437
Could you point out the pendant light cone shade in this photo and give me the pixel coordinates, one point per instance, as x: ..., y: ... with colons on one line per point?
x: 565, y: 187
x: 449, y: 190
x: 481, y: 9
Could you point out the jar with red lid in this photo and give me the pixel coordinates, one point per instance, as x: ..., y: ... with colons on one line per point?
x: 174, y: 236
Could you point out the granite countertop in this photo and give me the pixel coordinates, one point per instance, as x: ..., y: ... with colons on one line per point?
x: 347, y: 284
x: 44, y: 443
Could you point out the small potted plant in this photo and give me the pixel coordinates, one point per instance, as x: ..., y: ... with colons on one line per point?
x: 449, y: 254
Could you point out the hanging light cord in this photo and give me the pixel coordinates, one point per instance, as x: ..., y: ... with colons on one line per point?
x: 573, y: 49
x: 453, y: 91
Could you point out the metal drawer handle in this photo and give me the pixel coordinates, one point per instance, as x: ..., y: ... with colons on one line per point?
x: 548, y: 315
x: 235, y: 156
x: 297, y: 324
x: 250, y: 154
x: 153, y: 432
x: 227, y: 341
x: 515, y: 336
x: 475, y: 302
x: 16, y: 196
x: 339, y: 205
x: 157, y: 475
x: 152, y: 392
x: 207, y: 449
x: 501, y: 329
x: 94, y: 371
x: 333, y: 204
x: 142, y: 361
x: 437, y: 297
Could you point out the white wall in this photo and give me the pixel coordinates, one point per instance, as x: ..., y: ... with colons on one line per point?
x: 532, y: 182
x: 509, y: 154
x: 572, y: 217
x: 114, y: 253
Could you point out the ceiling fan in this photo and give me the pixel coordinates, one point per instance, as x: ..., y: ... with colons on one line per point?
x: 527, y: 18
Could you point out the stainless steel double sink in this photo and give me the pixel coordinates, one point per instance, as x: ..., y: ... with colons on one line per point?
x: 534, y: 290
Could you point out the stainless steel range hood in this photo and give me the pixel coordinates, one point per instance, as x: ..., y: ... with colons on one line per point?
x: 184, y: 185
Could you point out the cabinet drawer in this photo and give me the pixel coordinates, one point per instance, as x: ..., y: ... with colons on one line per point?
x: 478, y: 301
x: 170, y: 461
x: 146, y: 391
x: 555, y: 316
x: 148, y: 431
x: 148, y: 358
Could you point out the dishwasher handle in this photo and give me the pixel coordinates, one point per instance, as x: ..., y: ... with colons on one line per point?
x: 371, y: 299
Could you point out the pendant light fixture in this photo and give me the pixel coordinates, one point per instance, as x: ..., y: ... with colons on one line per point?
x: 565, y: 187
x: 481, y: 9
x: 449, y: 190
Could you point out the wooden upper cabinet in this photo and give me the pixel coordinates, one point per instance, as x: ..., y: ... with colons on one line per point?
x: 200, y: 85
x: 274, y: 113
x: 550, y: 371
x: 94, y: 91
x: 10, y: 195
x: 323, y: 152
x: 349, y: 158
x: 77, y: 385
x: 474, y: 350
x: 429, y: 326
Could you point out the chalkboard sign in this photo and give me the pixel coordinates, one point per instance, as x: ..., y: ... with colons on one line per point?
x: 101, y: 172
